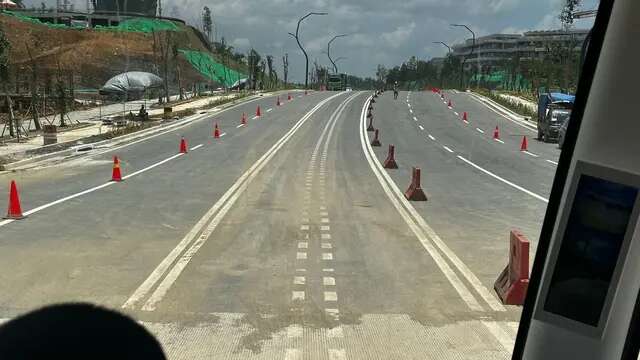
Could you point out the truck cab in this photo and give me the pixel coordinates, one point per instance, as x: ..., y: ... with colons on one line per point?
x: 553, y: 110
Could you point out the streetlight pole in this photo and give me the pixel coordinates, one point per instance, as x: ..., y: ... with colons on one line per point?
x: 335, y: 68
x: 306, y: 57
x: 441, y: 42
x: 448, y: 54
x: 473, y: 46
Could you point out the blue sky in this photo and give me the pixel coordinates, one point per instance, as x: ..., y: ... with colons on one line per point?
x: 382, y: 31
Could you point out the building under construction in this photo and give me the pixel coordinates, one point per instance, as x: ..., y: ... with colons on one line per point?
x: 143, y: 7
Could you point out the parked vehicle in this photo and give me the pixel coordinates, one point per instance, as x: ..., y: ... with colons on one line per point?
x: 553, y: 109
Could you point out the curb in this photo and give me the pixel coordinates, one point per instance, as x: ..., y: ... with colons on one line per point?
x: 38, y: 159
x: 503, y: 110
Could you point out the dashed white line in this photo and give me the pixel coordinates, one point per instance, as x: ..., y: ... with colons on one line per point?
x: 324, y: 220
x: 269, y: 109
x: 325, y: 228
x: 447, y: 148
x: 299, y: 280
x: 327, y: 256
x: 303, y: 245
x: 325, y: 236
x: 223, y: 134
x: 421, y: 128
x: 255, y: 117
x: 552, y: 162
x: 431, y: 137
x: 327, y: 270
x: 411, y: 111
x: 328, y: 281
x: 499, y: 140
x: 297, y: 295
x: 518, y: 187
x: 531, y: 154
x: 326, y: 246
x: 239, y: 126
x: 330, y: 296
x: 304, y: 227
x: 455, y: 112
x: 301, y: 256
x: 480, y: 130
x: 415, y: 118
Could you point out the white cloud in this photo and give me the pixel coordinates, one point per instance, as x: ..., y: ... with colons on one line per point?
x: 241, y: 43
x: 399, y: 36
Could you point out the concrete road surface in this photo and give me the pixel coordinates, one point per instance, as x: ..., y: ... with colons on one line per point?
x: 285, y: 238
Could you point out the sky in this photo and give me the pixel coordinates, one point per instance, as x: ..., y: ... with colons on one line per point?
x: 380, y: 31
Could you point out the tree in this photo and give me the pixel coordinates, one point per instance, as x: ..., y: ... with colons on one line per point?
x: 207, y: 22
x: 285, y: 65
x: 567, y: 15
x: 162, y: 46
x: 5, y: 47
x: 381, y: 73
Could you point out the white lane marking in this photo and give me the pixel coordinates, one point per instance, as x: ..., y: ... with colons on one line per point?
x: 455, y: 112
x: 294, y: 331
x: 325, y: 228
x: 335, y: 332
x: 480, y: 130
x: 304, y: 227
x: 327, y: 270
x: 466, y: 122
x: 431, y: 137
x: 447, y: 148
x: 415, y: 118
x: 421, y: 229
x: 231, y: 195
x: 552, y: 162
x: 328, y: 281
x: 500, y: 334
x: 499, y: 140
x: 327, y: 256
x: 303, y: 245
x: 151, y: 167
x: 297, y: 295
x: 504, y: 115
x: 334, y: 313
x: 301, y: 270
x: 324, y: 213
x: 269, y: 109
x: 196, y: 147
x: 337, y: 354
x: 421, y: 128
x: 323, y: 208
x: 325, y: 236
x: 518, y: 187
x: 90, y: 190
x: 223, y: 134
x: 324, y: 220
x: 531, y: 154
x: 299, y: 280
x: 411, y: 111
x: 239, y: 126
x: 255, y: 117
x: 330, y: 296
x: 326, y: 246
x: 301, y: 256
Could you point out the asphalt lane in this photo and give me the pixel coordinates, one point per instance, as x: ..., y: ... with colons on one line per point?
x: 100, y: 246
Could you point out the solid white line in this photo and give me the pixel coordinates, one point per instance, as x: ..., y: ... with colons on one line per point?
x: 551, y: 161
x: 90, y: 190
x: 239, y: 185
x: 531, y: 154
x: 223, y: 134
x: 386, y: 183
x: 431, y: 137
x: 480, y: 130
x: 239, y: 126
x: 420, y: 126
x: 196, y: 147
x: 447, y: 148
x: 269, y: 109
x: 500, y: 141
x: 531, y: 193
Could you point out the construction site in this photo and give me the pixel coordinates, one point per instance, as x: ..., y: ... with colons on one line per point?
x: 114, y: 64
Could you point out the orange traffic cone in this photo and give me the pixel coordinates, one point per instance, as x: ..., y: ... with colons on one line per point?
x: 289, y: 97
x: 524, y: 146
x: 258, y: 111
x: 183, y: 146
x: 464, y: 116
x: 449, y: 104
x: 243, y: 121
x: 415, y: 192
x: 376, y: 140
x: 116, y: 175
x: 496, y: 133
x: 390, y: 162
x: 15, y: 210
x: 278, y: 101
x: 216, y: 131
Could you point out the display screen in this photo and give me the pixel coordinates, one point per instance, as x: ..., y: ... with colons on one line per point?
x: 587, y: 259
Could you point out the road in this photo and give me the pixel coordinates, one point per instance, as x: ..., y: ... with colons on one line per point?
x: 285, y: 238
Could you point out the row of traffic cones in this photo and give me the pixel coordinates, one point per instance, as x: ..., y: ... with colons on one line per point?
x: 14, y: 211
x: 524, y: 145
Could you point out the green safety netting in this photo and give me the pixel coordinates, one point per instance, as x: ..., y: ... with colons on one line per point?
x: 143, y: 25
x: 207, y: 66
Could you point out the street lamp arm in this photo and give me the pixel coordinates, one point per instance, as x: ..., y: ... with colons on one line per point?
x: 306, y: 57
